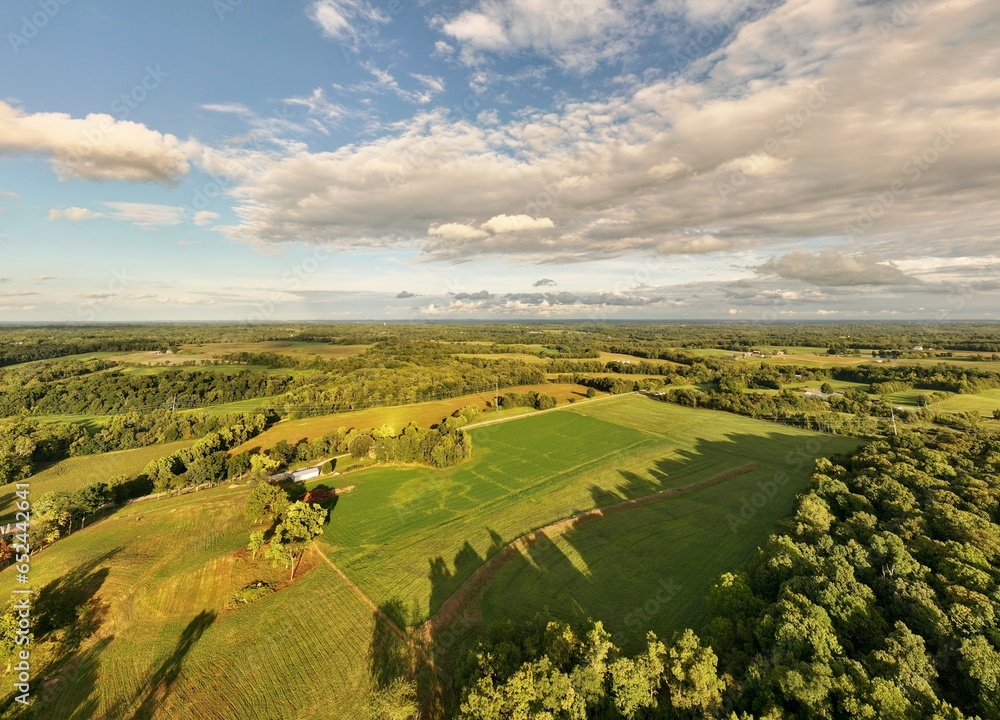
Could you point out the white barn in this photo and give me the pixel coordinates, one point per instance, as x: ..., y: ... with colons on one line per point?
x: 305, y: 474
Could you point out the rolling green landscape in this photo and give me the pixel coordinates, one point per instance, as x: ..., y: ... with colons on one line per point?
x: 500, y: 360
x: 631, y: 482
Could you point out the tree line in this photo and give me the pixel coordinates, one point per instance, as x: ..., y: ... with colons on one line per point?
x: 27, y: 444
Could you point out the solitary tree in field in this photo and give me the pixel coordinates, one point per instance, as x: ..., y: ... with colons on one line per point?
x: 300, y: 523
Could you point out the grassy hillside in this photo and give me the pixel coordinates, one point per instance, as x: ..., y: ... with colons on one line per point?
x: 162, y: 643
x: 984, y: 403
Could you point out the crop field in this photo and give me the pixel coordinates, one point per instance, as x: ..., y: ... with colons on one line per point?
x: 165, y: 642
x: 397, y: 416
x: 76, y: 472
x: 414, y: 534
x: 675, y: 549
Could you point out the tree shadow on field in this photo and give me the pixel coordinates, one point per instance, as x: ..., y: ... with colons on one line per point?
x: 617, y: 570
x: 390, y: 657
x: 68, y: 603
x: 66, y: 612
x: 80, y: 672
x: 160, y: 683
x: 444, y: 581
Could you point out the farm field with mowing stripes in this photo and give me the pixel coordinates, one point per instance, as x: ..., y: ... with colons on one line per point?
x: 674, y: 550
x: 76, y: 472
x: 423, y: 414
x: 415, y: 534
x: 165, y: 645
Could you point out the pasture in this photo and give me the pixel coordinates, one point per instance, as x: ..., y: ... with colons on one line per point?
x: 413, y: 535
x: 162, y: 639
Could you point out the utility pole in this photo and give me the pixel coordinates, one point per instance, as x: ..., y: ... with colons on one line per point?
x: 496, y: 396
x: 892, y: 413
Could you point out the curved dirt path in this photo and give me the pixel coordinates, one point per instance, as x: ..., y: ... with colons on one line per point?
x: 471, y: 590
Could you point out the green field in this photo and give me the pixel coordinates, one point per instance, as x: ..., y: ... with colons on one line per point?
x: 76, y: 472
x: 92, y: 423
x: 160, y: 576
x: 908, y: 398
x: 414, y: 535
x: 983, y: 403
x: 674, y: 550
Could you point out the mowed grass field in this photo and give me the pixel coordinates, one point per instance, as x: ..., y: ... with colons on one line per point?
x: 414, y: 535
x: 76, y: 472
x: 397, y: 416
x: 983, y: 403
x: 651, y: 568
x: 165, y: 646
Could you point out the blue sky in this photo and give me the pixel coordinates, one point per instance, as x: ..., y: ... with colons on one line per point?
x: 347, y: 159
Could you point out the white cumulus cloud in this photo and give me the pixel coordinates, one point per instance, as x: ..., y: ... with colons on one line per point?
x: 97, y: 147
